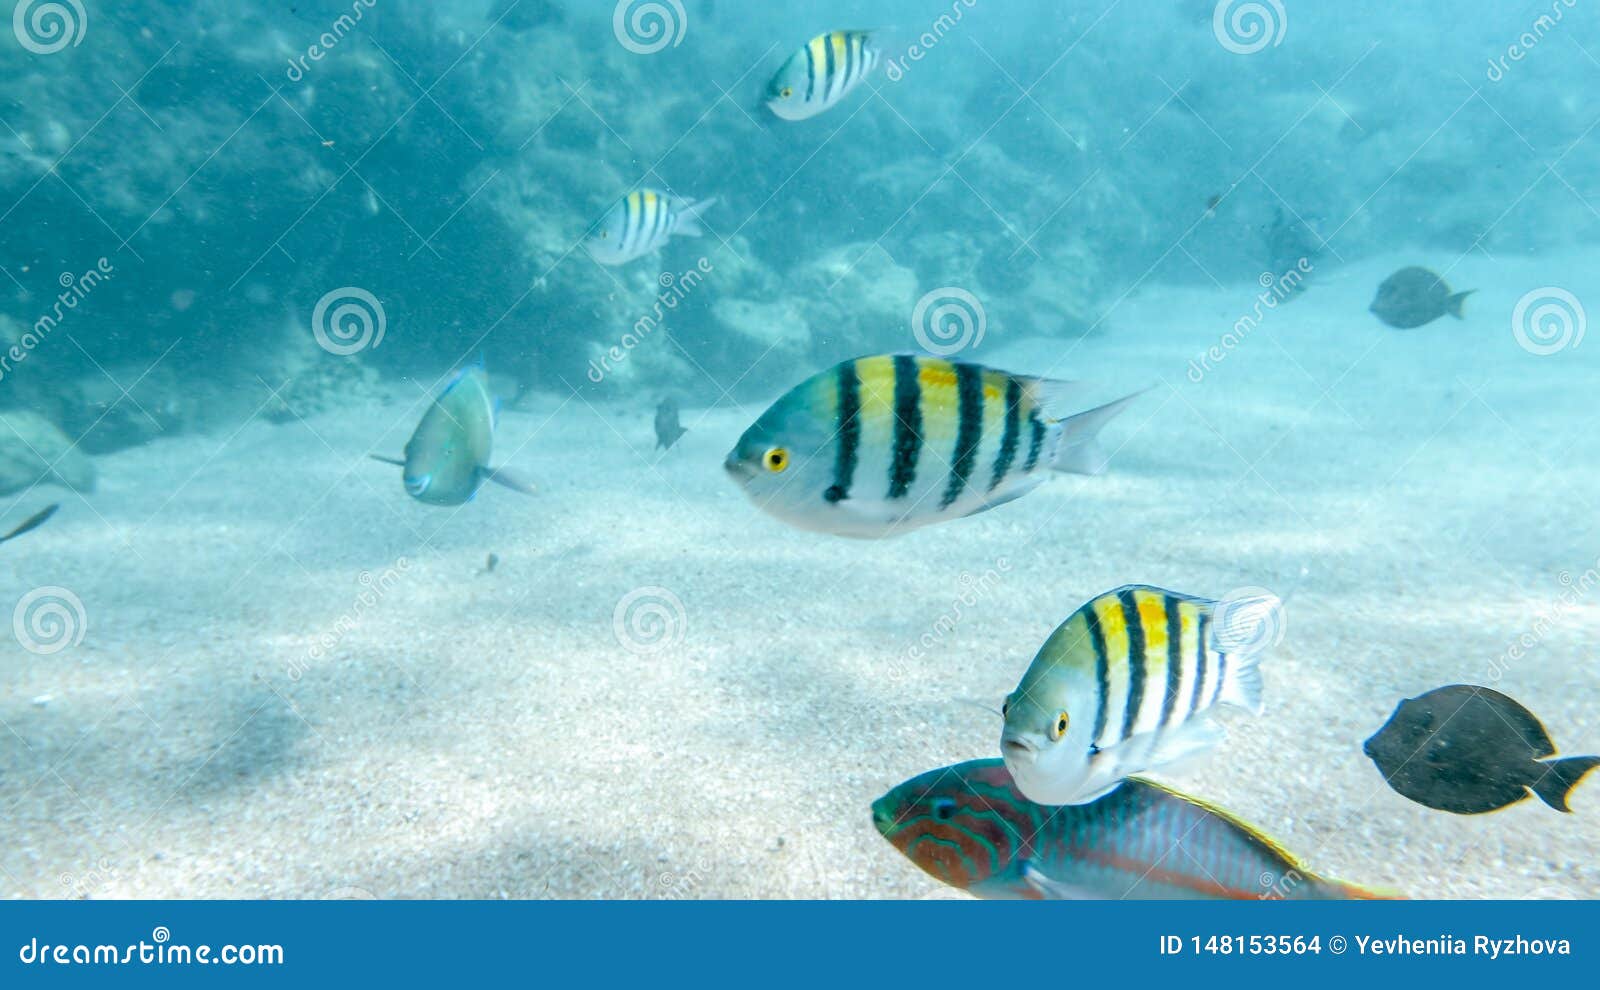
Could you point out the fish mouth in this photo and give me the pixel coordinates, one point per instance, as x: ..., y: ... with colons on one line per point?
x: 418, y: 486
x: 883, y: 819
x: 737, y: 468
x: 1016, y: 749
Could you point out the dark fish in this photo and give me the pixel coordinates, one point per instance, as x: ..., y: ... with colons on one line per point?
x: 1291, y: 245
x: 668, y: 429
x: 1414, y: 297
x: 1468, y: 750
x: 491, y: 563
x: 32, y: 523
x: 970, y: 827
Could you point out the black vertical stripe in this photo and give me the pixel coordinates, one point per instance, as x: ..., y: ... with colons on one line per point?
x: 907, y: 426
x: 849, y: 63
x: 832, y: 67
x: 1169, y: 706
x: 844, y: 468
x: 1222, y: 675
x: 1199, y: 662
x: 1102, y: 676
x: 1136, y: 660
x: 811, y: 74
x: 969, y: 433
x: 1035, y: 441
x: 627, y: 223
x: 1012, y: 434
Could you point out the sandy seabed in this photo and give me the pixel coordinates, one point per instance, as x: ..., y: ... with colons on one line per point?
x: 296, y: 682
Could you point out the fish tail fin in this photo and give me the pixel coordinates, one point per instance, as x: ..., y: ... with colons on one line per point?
x: 689, y: 212
x: 1079, y: 450
x: 1555, y: 785
x: 1242, y: 630
x: 1454, y: 305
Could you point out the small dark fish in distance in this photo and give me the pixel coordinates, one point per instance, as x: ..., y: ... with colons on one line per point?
x: 1469, y: 750
x: 32, y: 523
x: 1414, y: 297
x: 668, y: 430
x: 490, y: 563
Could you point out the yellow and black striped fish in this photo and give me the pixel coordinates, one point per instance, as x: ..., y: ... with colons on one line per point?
x: 641, y: 223
x: 820, y: 75
x: 880, y: 445
x: 1126, y: 685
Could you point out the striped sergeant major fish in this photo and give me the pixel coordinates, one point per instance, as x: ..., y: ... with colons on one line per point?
x: 881, y: 445
x: 819, y: 76
x: 642, y: 223
x: 1126, y: 685
x: 970, y: 827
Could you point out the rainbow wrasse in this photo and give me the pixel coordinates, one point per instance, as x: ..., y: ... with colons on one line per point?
x: 968, y: 826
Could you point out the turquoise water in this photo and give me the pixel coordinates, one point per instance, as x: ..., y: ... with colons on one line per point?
x: 246, y: 244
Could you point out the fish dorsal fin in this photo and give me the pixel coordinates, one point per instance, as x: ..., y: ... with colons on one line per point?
x: 1276, y: 847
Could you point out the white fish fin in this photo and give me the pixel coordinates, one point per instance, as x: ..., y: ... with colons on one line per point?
x: 1078, y: 450
x: 1242, y: 629
x: 387, y: 460
x: 686, y: 216
x: 1052, y: 890
x: 1181, y: 747
x: 509, y: 479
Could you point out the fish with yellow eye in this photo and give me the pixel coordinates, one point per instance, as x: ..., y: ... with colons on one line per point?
x: 1127, y: 684
x: 881, y: 445
x: 819, y: 76
x: 641, y: 223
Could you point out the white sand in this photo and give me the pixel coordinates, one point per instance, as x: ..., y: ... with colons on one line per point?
x: 485, y: 736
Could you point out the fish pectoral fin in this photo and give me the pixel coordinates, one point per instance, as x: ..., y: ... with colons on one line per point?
x: 1186, y: 746
x: 387, y: 460
x: 501, y: 476
x: 1051, y: 890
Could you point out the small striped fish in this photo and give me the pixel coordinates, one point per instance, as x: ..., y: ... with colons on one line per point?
x: 880, y: 445
x: 819, y: 76
x: 641, y: 224
x: 1126, y: 685
x: 970, y: 827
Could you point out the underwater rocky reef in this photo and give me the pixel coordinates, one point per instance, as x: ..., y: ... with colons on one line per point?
x: 186, y: 186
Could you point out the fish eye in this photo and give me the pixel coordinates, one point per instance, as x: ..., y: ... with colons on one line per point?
x: 605, y: 235
x: 1005, y: 708
x: 776, y: 460
x: 786, y: 92
x: 1059, y: 727
x: 944, y: 809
